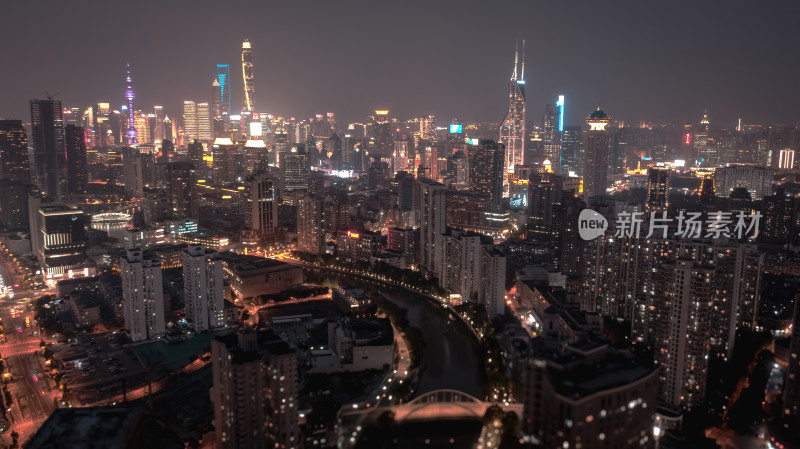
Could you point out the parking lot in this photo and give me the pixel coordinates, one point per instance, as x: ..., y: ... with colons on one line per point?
x: 95, y: 366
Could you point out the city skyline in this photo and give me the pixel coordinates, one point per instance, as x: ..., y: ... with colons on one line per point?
x: 458, y: 74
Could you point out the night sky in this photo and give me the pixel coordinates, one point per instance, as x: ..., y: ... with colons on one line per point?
x: 638, y: 60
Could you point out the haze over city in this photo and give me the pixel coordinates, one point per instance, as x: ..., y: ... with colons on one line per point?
x: 666, y: 62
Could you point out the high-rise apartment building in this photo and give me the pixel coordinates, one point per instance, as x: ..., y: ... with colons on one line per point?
x: 432, y: 225
x: 310, y: 232
x: 597, y: 144
x: 203, y: 288
x: 78, y: 176
x: 512, y: 130
x: 180, y: 190
x: 255, y: 391
x: 49, y: 154
x: 494, y: 282
x: 14, y: 161
x: 683, y: 334
x: 143, y: 296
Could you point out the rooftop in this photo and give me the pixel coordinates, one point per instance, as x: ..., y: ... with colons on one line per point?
x: 89, y: 427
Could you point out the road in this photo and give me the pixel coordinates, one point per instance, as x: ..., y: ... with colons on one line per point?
x: 33, y: 392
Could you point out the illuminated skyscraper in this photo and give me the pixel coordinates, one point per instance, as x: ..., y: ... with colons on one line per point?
x: 247, y: 76
x: 189, y: 121
x: 143, y: 296
x: 204, y: 131
x: 129, y: 95
x: 47, y: 126
x: 203, y: 288
x: 224, y: 83
x: 658, y: 189
x: 597, y: 144
x: 512, y: 130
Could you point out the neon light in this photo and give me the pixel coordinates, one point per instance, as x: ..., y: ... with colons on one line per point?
x: 560, y: 104
x: 352, y: 235
x: 456, y: 129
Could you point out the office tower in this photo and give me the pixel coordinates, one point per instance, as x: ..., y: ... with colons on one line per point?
x: 222, y: 91
x: 402, y: 155
x: 544, y: 197
x: 47, y: 131
x: 167, y: 152
x: 14, y: 161
x: 658, y: 189
x: 169, y: 133
x: 204, y: 127
x: 262, y: 213
x: 62, y: 242
x: 255, y: 156
x: 494, y: 281
x: 142, y: 126
x: 310, y: 233
x: 180, y: 190
x: 791, y: 389
x: 570, y: 245
x: 572, y: 150
x: 132, y: 171
x: 458, y: 169
x: 190, y: 125
x: 600, y: 398
x: 486, y: 171
x: 432, y: 224
x: 560, y: 133
x: 512, y: 130
x: 78, y: 176
x: 786, y: 159
x: 596, y: 146
x: 683, y: 334
x: 143, y: 296
x: 224, y: 166
x: 701, y: 147
x: 203, y: 288
x: 295, y: 169
x: 381, y: 130
x: 757, y: 180
x: 551, y: 139
x: 281, y: 146
x: 255, y: 391
x: 247, y: 76
x: 130, y: 95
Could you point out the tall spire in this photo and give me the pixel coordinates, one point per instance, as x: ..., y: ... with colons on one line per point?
x: 522, y: 72
x: 516, y: 59
x: 130, y: 95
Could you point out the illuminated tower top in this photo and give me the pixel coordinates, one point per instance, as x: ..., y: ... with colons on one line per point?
x: 130, y: 95
x: 247, y: 76
x: 597, y: 120
x: 512, y: 129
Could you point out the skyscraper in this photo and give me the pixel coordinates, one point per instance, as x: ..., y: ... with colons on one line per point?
x: 247, y: 75
x: 262, y: 213
x: 552, y: 137
x: 512, y: 130
x: 658, y: 189
x: 47, y: 126
x: 204, y: 127
x: 222, y: 104
x: 130, y: 95
x: 78, y: 176
x: 190, y: 127
x: 486, y: 171
x: 143, y: 296
x: 14, y: 161
x: 179, y: 189
x: 62, y: 242
x: 310, y: 233
x: 432, y: 224
x: 254, y: 392
x: 203, y: 288
x: 597, y: 144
